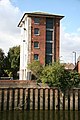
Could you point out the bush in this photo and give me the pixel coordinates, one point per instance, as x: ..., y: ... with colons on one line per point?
x: 55, y: 75
x: 36, y: 69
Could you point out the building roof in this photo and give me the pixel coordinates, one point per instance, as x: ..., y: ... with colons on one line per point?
x: 44, y: 14
x: 69, y: 66
x: 41, y: 14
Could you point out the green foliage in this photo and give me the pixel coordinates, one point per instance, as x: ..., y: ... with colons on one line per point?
x: 69, y: 80
x: 51, y: 74
x: 36, y: 68
x: 13, y: 61
x: 14, y: 56
x: 9, y: 65
x: 55, y: 75
x: 2, y: 57
x: 9, y: 73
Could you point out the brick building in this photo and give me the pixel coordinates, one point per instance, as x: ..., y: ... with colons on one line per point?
x: 40, y: 36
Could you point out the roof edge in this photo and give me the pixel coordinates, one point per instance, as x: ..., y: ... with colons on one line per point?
x: 40, y: 14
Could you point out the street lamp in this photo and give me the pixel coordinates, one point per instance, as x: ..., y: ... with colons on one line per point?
x: 74, y: 57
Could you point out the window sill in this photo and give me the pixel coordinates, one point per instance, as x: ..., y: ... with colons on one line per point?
x: 37, y: 47
x: 36, y: 34
x: 36, y: 23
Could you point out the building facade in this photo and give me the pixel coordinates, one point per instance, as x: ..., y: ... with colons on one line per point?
x: 40, y: 36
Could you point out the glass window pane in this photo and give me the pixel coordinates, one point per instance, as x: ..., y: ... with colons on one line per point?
x: 36, y: 31
x: 36, y: 20
x: 48, y: 59
x: 49, y: 35
x: 49, y: 26
x: 49, y: 48
x: 36, y: 57
x: 49, y: 23
x: 36, y: 44
x: 49, y: 20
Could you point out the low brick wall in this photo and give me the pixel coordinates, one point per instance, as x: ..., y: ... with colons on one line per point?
x: 17, y: 83
x: 27, y: 95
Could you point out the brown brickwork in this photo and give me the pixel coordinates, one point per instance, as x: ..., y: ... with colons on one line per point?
x: 39, y: 38
x: 42, y: 39
x: 56, y: 39
x: 77, y: 67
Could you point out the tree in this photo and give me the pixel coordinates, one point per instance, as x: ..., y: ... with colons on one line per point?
x: 52, y: 73
x: 36, y: 69
x: 13, y: 61
x: 70, y: 79
x: 55, y: 75
x: 2, y: 57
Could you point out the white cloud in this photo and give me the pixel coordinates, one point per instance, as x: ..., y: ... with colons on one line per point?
x: 69, y: 42
x: 9, y: 18
x: 78, y: 29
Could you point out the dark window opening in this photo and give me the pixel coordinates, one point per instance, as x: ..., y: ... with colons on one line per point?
x: 36, y: 20
x: 36, y: 31
x: 49, y: 23
x: 48, y: 59
x: 36, y: 44
x: 49, y: 35
x: 49, y: 48
x: 36, y: 57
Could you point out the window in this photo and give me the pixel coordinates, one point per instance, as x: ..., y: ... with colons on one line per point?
x: 36, y: 44
x: 36, y: 57
x: 36, y: 20
x: 49, y: 23
x: 49, y: 48
x: 49, y: 35
x: 36, y: 31
x: 48, y: 59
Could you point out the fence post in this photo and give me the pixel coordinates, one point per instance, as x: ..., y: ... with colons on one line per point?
x: 2, y: 101
x: 78, y: 99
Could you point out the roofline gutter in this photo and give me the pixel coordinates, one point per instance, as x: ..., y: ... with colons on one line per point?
x: 42, y: 15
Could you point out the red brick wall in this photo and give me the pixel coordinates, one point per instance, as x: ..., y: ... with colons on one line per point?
x: 78, y: 67
x: 56, y: 39
x: 17, y: 83
x: 40, y: 38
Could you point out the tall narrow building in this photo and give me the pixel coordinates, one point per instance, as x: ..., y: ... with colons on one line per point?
x: 40, y: 35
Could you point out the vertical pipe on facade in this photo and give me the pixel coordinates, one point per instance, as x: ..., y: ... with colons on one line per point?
x: 24, y: 59
x: 24, y: 50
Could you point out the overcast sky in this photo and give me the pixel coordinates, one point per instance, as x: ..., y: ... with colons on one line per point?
x: 11, y: 12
